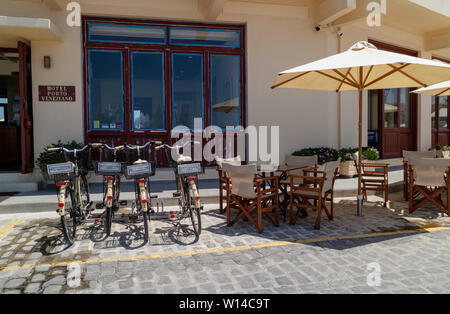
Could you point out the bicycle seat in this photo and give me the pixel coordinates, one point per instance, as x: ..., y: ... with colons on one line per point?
x: 182, y: 159
x: 140, y: 161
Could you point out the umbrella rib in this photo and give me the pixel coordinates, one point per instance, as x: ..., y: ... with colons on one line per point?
x: 386, y: 75
x: 409, y: 76
x: 293, y: 78
x: 367, y: 75
x: 342, y: 82
x: 445, y: 90
x: 345, y: 76
x: 337, y: 79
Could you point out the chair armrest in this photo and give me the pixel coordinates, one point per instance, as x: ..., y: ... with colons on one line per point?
x: 308, y: 178
x: 378, y: 165
x: 260, y: 180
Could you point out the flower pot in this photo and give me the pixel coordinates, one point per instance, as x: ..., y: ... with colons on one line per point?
x: 347, y: 169
x: 442, y: 154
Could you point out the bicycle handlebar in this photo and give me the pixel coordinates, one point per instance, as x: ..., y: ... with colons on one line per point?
x: 152, y: 143
x: 58, y: 149
x: 176, y: 146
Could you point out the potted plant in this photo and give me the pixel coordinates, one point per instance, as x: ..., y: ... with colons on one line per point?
x: 347, y: 167
x: 442, y: 151
x: 324, y: 154
x: 47, y: 157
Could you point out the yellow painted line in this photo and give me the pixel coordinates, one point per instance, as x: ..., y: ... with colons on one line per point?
x: 10, y: 226
x: 225, y: 249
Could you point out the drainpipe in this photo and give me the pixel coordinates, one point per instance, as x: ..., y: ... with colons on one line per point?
x: 339, y: 99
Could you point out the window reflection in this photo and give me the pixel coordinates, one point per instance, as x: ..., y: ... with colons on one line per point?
x: 148, y: 91
x: 225, y: 90
x: 187, y: 89
x: 391, y: 108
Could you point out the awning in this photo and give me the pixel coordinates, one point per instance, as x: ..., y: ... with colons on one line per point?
x: 31, y: 29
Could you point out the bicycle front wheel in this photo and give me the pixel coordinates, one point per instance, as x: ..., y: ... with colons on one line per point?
x: 68, y: 220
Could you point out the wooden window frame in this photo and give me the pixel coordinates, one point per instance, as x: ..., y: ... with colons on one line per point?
x: 129, y: 135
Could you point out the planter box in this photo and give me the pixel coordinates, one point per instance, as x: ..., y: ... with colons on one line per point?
x: 443, y: 154
x: 347, y: 169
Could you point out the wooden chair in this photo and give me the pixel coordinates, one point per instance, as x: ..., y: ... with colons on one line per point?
x: 236, y: 161
x: 374, y: 178
x: 248, y: 193
x: 430, y: 177
x: 301, y: 162
x: 406, y: 156
x: 317, y: 189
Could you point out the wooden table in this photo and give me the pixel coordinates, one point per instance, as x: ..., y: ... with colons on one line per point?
x: 283, y: 171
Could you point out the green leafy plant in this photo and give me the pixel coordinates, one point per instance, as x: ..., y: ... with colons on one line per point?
x: 370, y: 153
x: 324, y: 154
x: 445, y: 148
x: 438, y: 147
x: 346, y: 154
x: 47, y: 157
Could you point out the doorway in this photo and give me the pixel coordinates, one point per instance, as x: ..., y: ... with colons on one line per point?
x: 10, y: 158
x: 392, y: 115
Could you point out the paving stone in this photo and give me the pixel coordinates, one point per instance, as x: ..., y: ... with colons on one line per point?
x: 33, y: 288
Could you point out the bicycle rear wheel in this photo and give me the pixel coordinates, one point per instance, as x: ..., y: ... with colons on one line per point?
x: 143, y: 207
x: 194, y: 210
x: 68, y: 220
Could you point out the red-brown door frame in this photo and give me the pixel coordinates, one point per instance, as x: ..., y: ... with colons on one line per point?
x: 127, y: 134
x: 26, y: 112
x: 413, y: 104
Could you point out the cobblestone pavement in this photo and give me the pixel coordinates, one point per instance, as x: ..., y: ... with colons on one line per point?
x: 287, y: 259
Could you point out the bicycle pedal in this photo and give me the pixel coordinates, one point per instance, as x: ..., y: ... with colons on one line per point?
x: 99, y: 205
x: 123, y: 203
x: 176, y: 194
x: 153, y: 196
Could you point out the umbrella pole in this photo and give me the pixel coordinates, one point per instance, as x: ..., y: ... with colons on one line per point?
x: 359, y: 197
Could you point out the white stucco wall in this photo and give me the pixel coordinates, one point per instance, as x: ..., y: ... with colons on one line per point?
x: 278, y: 38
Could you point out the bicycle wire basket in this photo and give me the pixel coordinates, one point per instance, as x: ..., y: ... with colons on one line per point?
x: 84, y: 159
x: 108, y: 155
x: 131, y: 155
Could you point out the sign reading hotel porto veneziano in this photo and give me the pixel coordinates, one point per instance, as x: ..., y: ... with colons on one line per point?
x: 56, y: 93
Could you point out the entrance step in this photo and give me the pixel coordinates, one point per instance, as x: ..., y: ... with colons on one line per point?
x: 18, y: 186
x: 17, y: 182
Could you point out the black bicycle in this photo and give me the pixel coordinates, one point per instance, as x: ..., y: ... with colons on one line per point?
x: 186, y: 173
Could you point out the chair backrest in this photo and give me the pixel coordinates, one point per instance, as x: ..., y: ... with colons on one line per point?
x: 242, y: 179
x: 236, y: 161
x: 330, y: 169
x: 423, y: 154
x: 429, y: 171
x: 306, y: 161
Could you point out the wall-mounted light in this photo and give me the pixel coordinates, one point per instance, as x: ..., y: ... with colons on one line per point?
x: 47, y: 63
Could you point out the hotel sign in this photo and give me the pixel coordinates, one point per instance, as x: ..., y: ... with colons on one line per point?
x: 56, y: 93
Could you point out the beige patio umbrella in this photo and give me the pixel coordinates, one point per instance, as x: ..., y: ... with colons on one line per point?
x: 440, y: 89
x: 362, y: 67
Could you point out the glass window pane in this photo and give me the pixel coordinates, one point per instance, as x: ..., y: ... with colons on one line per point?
x: 405, y: 108
x: 187, y: 75
x: 373, y: 110
x: 443, y: 110
x: 225, y: 90
x: 148, y: 91
x: 433, y: 112
x: 106, y: 97
x: 127, y: 33
x: 390, y: 108
x: 224, y: 38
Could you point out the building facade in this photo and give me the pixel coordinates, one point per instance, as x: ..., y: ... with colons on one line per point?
x: 132, y: 70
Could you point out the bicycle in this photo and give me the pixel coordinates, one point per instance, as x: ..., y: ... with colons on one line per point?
x: 111, y: 169
x: 74, y: 204
x: 140, y: 170
x: 186, y: 173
